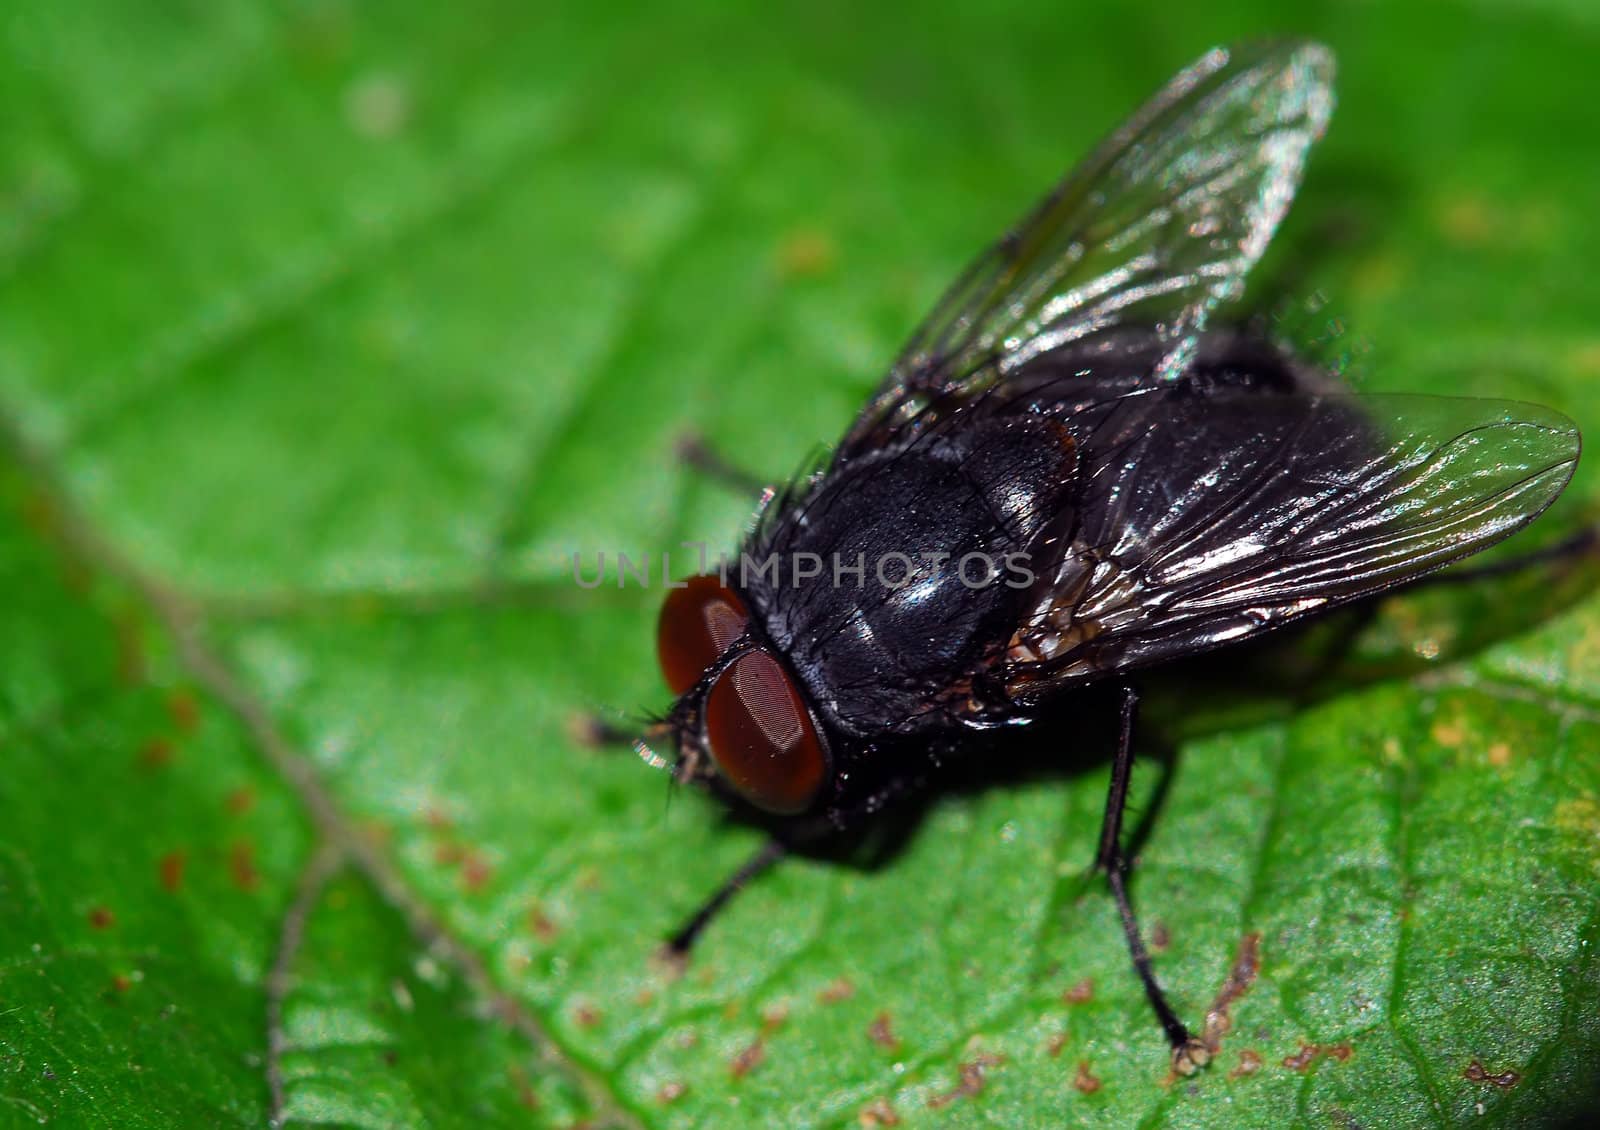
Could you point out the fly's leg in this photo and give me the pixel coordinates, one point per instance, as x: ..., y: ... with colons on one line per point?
x: 1575, y: 545
x: 594, y: 731
x: 1360, y: 616
x: 1188, y: 1053
x: 812, y: 831
x: 683, y: 939
x: 694, y: 451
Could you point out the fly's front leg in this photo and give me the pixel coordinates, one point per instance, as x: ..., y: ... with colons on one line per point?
x: 683, y: 939
x: 1188, y: 1053
x: 594, y: 731
x: 695, y: 452
x: 833, y: 823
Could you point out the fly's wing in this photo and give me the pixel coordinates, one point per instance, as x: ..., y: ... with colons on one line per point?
x: 1206, y: 519
x: 1155, y: 229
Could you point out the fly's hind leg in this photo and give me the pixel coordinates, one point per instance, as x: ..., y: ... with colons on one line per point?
x: 1569, y: 548
x: 1189, y: 1054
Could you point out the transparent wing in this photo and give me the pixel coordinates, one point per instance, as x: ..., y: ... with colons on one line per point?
x: 1205, y: 519
x: 1157, y: 227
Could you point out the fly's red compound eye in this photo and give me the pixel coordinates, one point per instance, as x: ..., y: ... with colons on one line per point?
x: 761, y: 736
x: 698, y: 622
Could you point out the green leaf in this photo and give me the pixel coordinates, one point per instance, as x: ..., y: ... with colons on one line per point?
x: 328, y: 336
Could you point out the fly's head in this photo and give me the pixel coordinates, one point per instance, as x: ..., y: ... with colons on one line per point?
x: 742, y: 725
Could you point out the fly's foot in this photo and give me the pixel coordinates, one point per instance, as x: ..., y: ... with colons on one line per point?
x: 1190, y: 1056
x: 595, y: 732
x: 671, y: 960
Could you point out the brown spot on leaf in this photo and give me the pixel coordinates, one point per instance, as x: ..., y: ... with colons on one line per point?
x: 838, y: 990
x: 242, y: 865
x: 1498, y: 755
x: 155, y: 753
x: 1310, y: 1053
x: 1085, y: 1080
x: 541, y: 925
x: 101, y: 918
x: 1478, y: 1073
x: 526, y: 1098
x: 774, y: 1016
x: 881, y: 1032
x: 1241, y: 975
x: 1249, y: 1063
x: 241, y: 800
x: 671, y: 1092
x: 121, y: 983
x: 184, y: 710
x: 1303, y: 1058
x: 1057, y: 1043
x: 170, y: 867
x: 972, y: 1080
x: 585, y: 1015
x: 1448, y: 733
x: 749, y: 1058
x: 476, y: 871
x: 133, y: 663
x: 473, y: 868
x: 878, y: 1113
x: 1079, y: 993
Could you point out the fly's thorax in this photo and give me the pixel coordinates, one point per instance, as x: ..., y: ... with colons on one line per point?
x: 924, y: 555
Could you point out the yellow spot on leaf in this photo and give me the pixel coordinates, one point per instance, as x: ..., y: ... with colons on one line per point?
x: 1377, y: 275
x: 1580, y: 817
x: 1585, y: 358
x: 1468, y: 220
x: 807, y: 253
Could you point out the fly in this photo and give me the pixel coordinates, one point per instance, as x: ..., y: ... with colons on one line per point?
x: 1074, y: 476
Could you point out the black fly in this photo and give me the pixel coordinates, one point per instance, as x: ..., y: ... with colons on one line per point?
x: 1068, y: 476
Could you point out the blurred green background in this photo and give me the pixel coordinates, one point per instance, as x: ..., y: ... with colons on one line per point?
x: 329, y: 331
